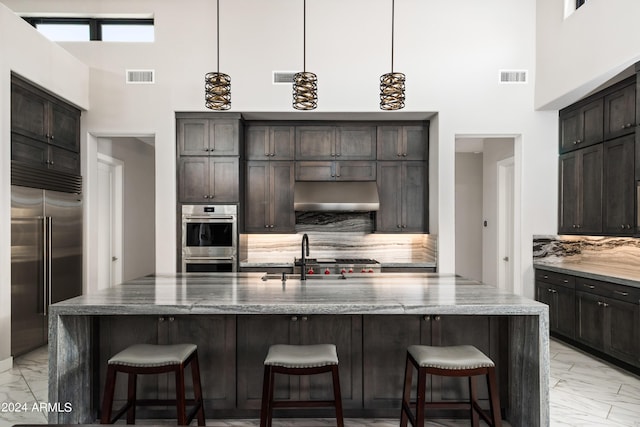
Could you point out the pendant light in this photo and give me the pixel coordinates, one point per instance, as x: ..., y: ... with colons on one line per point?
x: 305, y: 84
x: 217, y: 86
x: 392, y: 84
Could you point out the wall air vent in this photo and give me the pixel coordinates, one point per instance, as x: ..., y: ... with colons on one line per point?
x: 513, y: 76
x: 141, y: 77
x: 283, y: 77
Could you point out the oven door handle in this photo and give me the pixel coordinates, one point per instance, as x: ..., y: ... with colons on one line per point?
x: 211, y: 218
x: 209, y: 258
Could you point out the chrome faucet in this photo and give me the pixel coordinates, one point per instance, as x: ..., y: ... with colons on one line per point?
x: 303, y: 259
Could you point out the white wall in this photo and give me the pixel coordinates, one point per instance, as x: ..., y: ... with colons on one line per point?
x: 494, y: 151
x: 577, y: 54
x: 138, y: 228
x: 469, y: 215
x: 451, y: 52
x: 27, y: 53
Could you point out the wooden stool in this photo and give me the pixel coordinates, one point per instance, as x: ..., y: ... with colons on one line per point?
x: 454, y: 361
x: 144, y: 359
x: 299, y: 360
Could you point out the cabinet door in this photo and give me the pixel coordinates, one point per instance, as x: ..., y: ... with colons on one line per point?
x: 270, y: 143
x: 592, y: 122
x: 390, y: 142
x: 224, y: 174
x: 619, y: 188
x: 64, y: 160
x: 281, y: 181
x: 194, y: 179
x: 356, y: 143
x: 257, y: 146
x: 346, y: 333
x: 589, y: 319
x: 315, y: 171
x: 590, y: 190
x: 544, y: 294
x: 193, y: 137
x: 415, y: 143
x: 215, y: 337
x: 64, y: 127
x: 389, y: 216
x: 568, y: 193
x: 315, y: 142
x: 570, y: 130
x: 29, y: 151
x: 225, y: 137
x: 257, y: 215
x: 254, y: 336
x: 622, y: 337
x: 355, y: 171
x: 564, y: 311
x: 414, y: 196
x: 620, y: 112
x: 385, y: 340
x: 29, y: 113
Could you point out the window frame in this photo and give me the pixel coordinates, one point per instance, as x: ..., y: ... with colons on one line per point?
x: 95, y: 24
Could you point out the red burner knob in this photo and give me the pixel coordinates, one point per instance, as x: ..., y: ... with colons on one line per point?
x: 363, y: 271
x: 351, y: 270
x: 371, y: 270
x: 343, y: 271
x: 310, y: 271
x: 327, y: 271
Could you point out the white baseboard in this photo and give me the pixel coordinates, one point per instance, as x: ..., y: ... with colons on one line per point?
x: 6, y: 364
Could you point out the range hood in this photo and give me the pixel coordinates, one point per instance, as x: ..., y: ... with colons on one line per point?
x: 336, y: 196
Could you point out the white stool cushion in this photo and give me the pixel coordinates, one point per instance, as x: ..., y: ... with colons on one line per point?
x: 301, y: 356
x: 453, y: 357
x: 149, y: 355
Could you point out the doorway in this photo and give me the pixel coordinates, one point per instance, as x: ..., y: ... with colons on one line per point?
x: 485, y: 183
x: 109, y: 209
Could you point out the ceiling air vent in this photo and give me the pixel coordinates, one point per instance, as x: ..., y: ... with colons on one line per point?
x: 141, y: 77
x: 283, y: 77
x: 513, y: 76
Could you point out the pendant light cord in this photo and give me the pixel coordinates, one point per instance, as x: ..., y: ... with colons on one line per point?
x: 218, y: 35
x: 393, y: 11
x: 304, y: 35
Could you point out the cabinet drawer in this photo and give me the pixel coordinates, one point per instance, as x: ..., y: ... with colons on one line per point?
x: 611, y: 290
x: 556, y: 278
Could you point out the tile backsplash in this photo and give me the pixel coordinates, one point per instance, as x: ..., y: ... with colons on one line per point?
x: 614, y: 251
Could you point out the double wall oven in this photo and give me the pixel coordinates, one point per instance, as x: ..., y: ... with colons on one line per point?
x: 209, y: 238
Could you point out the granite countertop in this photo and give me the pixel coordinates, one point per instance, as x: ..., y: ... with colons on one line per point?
x: 621, y: 275
x: 246, y: 293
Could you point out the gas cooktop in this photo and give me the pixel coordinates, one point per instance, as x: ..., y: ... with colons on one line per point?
x: 339, y: 265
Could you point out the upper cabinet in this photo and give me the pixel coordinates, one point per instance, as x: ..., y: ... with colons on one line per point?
x: 335, y: 143
x: 402, y: 187
x: 581, y: 125
x: 208, y: 137
x: 45, y: 130
x: 620, y: 111
x: 402, y: 143
x: 270, y: 142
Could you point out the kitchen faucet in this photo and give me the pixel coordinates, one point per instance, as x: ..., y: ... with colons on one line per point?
x: 303, y: 259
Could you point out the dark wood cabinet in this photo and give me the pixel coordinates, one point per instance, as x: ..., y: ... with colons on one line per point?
x: 558, y: 292
x: 402, y: 188
x: 198, y: 136
x: 580, y: 191
x: 45, y: 131
x: 402, y: 143
x: 208, y: 179
x: 619, y: 186
x: 269, y: 197
x: 335, y: 143
x: 620, y: 111
x: 353, y: 170
x: 581, y: 125
x: 270, y: 142
x: 255, y: 335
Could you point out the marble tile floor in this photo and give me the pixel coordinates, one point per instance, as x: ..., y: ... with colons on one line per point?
x: 585, y: 391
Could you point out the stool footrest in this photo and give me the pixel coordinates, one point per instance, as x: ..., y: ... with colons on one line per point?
x: 303, y: 403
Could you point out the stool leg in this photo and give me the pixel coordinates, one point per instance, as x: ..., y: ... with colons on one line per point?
x: 107, y: 399
x: 406, y: 394
x: 197, y: 388
x: 131, y: 398
x: 473, y: 398
x: 180, y: 396
x: 337, y: 395
x: 422, y: 398
x: 265, y: 411
x: 494, y: 397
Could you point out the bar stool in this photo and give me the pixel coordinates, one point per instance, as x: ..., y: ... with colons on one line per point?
x: 453, y: 361
x: 299, y: 360
x: 144, y: 359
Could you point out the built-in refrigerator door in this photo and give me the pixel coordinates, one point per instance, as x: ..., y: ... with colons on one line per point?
x: 28, y: 272
x: 64, y: 227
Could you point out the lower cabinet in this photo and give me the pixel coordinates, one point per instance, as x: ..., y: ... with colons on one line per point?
x: 257, y: 333
x: 558, y: 292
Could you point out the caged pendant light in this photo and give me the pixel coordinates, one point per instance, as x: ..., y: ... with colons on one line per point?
x: 305, y: 84
x: 217, y: 86
x: 392, y: 84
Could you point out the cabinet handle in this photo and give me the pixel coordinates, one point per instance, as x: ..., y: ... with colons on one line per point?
x: 305, y: 318
x: 52, y: 137
x: 588, y: 286
x: 565, y: 281
x: 161, y: 319
x: 600, y: 303
x: 404, y: 225
x: 404, y: 154
x: 294, y: 318
x: 171, y: 319
x: 271, y: 225
x: 427, y: 318
x: 628, y: 226
x: 624, y: 294
x: 338, y: 175
x: 399, y: 154
x: 578, y: 141
x: 338, y: 155
x: 211, y: 196
x: 205, y: 149
x: 205, y: 197
x: 399, y: 226
x: 545, y: 277
x: 436, y: 318
x: 604, y: 304
x: 266, y: 226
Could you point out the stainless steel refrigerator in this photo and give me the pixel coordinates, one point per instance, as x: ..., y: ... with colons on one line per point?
x: 46, y: 260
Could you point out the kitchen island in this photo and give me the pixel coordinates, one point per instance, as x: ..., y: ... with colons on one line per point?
x: 234, y: 317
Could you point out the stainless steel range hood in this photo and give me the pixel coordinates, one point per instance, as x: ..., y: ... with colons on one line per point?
x: 336, y: 196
